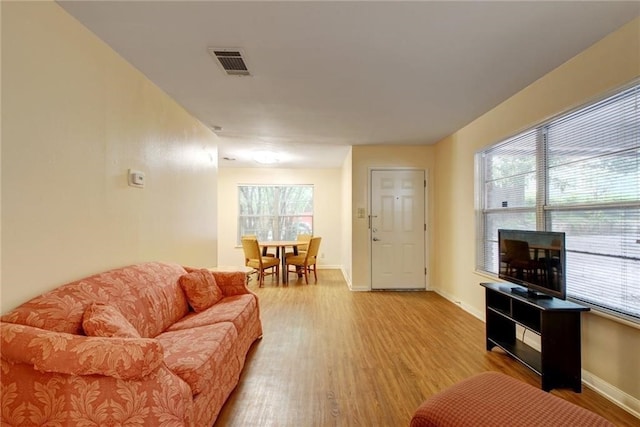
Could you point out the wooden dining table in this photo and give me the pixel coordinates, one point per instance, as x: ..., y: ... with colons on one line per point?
x: 282, y: 244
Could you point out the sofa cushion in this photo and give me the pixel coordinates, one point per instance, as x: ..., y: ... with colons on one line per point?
x: 103, y: 320
x: 147, y: 295
x: 201, y: 289
x: 200, y: 355
x: 236, y: 309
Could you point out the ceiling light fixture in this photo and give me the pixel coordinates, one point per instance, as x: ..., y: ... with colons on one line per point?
x: 266, y: 157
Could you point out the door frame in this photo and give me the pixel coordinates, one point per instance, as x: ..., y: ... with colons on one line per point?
x: 426, y: 235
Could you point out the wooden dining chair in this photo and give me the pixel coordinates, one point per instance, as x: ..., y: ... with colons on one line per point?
x: 302, y: 247
x: 264, y: 265
x: 255, y: 237
x: 520, y: 263
x: 305, y: 262
x: 306, y: 238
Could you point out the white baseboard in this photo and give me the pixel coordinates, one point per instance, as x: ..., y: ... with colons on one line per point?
x: 469, y: 309
x: 350, y: 283
x: 347, y: 278
x: 615, y: 395
x: 600, y: 386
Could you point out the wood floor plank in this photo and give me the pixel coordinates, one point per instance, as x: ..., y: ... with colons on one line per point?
x: 332, y: 357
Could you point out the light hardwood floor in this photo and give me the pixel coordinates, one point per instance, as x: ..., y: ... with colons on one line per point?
x: 332, y: 357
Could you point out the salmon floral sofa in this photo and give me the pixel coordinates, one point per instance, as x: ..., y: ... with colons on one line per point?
x: 152, y: 344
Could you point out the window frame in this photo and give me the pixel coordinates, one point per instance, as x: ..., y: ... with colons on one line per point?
x: 543, y: 209
x: 277, y: 215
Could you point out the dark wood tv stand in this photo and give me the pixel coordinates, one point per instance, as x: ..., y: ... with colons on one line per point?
x: 556, y: 321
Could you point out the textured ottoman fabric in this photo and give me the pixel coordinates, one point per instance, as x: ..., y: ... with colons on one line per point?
x: 494, y: 399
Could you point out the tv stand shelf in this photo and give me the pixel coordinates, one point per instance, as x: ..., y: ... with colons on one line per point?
x: 556, y: 321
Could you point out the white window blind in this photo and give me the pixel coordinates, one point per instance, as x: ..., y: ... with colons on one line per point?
x: 578, y: 173
x: 509, y: 190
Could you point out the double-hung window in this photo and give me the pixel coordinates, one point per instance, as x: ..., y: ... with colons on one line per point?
x: 578, y: 173
x: 275, y: 212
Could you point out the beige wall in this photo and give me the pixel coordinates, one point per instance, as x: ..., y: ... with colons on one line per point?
x: 348, y: 217
x: 610, y: 349
x: 327, y: 184
x: 75, y: 117
x: 365, y: 158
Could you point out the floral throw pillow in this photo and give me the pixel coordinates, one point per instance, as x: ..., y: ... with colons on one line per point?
x: 201, y: 289
x: 102, y: 320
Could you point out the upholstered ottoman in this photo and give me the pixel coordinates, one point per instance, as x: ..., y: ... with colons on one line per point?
x: 494, y: 399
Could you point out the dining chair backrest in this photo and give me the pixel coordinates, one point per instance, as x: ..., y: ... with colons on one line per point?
x: 251, y: 249
x: 517, y: 250
x: 314, y: 247
x: 255, y: 237
x: 303, y: 238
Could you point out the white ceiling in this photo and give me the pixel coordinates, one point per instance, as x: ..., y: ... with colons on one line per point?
x: 328, y: 75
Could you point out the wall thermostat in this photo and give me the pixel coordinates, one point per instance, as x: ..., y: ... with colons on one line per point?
x: 136, y: 178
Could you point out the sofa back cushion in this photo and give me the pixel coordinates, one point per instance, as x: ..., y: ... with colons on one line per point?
x: 104, y: 320
x: 148, y: 296
x: 201, y: 289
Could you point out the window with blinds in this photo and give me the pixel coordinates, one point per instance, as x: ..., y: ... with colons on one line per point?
x: 275, y: 212
x: 578, y: 173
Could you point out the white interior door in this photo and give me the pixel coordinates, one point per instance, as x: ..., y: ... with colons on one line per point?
x: 397, y: 229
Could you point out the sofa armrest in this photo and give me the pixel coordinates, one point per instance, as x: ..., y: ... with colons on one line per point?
x: 48, y: 351
x: 32, y: 397
x: 232, y: 282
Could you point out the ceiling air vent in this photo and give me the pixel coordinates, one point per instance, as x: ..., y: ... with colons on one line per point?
x: 231, y: 61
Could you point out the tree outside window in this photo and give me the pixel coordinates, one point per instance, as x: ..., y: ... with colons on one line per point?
x: 275, y: 212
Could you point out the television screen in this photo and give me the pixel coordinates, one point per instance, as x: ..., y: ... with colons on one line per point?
x: 535, y: 260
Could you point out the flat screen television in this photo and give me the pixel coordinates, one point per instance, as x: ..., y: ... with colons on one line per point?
x: 535, y: 260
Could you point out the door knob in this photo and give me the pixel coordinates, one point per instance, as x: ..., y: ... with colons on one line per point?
x: 375, y: 239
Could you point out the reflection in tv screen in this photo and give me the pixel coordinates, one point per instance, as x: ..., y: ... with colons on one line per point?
x: 534, y: 259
